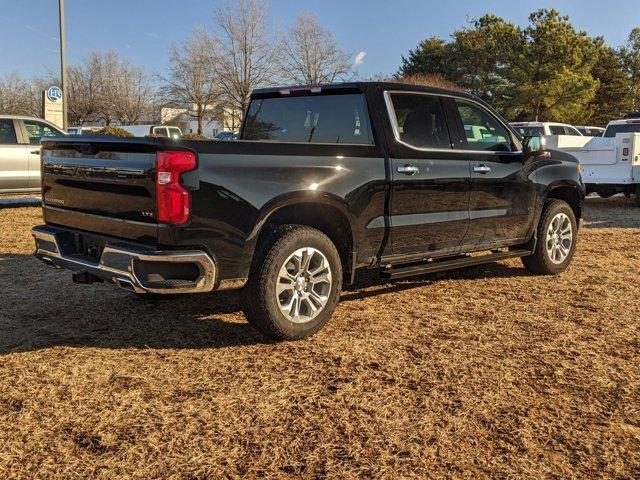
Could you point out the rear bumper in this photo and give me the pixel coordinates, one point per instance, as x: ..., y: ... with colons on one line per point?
x: 131, y: 267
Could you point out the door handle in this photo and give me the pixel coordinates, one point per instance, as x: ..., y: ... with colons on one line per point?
x: 35, y: 152
x: 408, y: 169
x: 482, y: 169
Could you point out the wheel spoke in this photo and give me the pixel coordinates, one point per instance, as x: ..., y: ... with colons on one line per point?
x: 305, y: 260
x: 295, y: 306
x: 303, y: 285
x: 313, y: 308
x: 559, y: 238
x: 283, y: 286
x: 320, y: 278
x: 321, y: 299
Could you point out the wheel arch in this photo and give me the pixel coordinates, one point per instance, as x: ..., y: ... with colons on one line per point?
x: 568, y: 192
x: 322, y: 211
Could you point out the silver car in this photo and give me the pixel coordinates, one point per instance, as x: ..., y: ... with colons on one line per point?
x: 20, y: 152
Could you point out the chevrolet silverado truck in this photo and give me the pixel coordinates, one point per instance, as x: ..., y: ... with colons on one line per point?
x: 322, y: 181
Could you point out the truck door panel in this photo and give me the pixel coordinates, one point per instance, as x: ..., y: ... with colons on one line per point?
x: 14, y: 168
x: 503, y: 187
x: 429, y: 210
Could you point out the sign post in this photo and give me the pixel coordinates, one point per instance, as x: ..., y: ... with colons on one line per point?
x: 53, y: 106
x: 63, y: 64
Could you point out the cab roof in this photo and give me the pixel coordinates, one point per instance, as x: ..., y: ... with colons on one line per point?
x: 360, y: 87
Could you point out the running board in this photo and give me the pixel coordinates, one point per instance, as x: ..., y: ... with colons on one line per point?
x: 442, y: 265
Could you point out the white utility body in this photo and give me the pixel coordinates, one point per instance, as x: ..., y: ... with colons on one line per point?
x: 610, y: 165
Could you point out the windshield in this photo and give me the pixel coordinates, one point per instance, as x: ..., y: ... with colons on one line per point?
x: 590, y: 131
x: 530, y: 131
x: 613, y: 130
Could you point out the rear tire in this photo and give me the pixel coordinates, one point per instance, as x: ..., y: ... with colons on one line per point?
x: 556, y: 240
x: 294, y: 284
x: 637, y: 196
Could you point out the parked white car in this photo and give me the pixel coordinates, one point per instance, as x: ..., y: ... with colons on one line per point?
x: 20, y: 152
x: 156, y: 130
x: 82, y: 130
x: 539, y: 129
x: 626, y: 125
x: 588, y: 131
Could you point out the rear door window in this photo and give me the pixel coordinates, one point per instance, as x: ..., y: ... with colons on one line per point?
x: 572, y: 131
x: 7, y: 132
x: 38, y: 130
x: 530, y: 131
x: 340, y: 119
x: 557, y: 130
x: 162, y: 131
x: 420, y: 120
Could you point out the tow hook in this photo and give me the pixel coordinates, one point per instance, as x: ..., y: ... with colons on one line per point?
x: 85, y: 277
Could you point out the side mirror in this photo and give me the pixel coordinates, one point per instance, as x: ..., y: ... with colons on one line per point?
x: 532, y: 145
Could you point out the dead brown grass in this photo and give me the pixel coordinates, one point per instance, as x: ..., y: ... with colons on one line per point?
x: 483, y: 372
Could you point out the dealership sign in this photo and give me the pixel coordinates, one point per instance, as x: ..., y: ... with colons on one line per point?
x: 54, y: 94
x: 52, y: 105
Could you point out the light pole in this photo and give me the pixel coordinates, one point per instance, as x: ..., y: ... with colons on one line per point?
x: 63, y: 64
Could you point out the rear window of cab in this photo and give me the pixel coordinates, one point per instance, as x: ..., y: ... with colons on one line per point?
x: 330, y: 119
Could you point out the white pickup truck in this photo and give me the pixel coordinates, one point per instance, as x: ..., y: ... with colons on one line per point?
x: 610, y: 165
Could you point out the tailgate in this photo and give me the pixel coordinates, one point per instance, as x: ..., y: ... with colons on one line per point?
x: 101, y: 185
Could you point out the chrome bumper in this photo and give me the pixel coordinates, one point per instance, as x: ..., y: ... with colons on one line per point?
x: 121, y: 263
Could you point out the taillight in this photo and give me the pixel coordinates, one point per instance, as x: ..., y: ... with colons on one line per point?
x: 174, y: 201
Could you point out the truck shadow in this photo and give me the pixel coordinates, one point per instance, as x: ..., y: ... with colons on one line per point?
x: 613, y: 212
x: 41, y: 308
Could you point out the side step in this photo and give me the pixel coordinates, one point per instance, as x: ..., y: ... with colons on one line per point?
x: 442, y: 265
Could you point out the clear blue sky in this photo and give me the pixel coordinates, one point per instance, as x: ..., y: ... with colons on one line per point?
x: 142, y: 30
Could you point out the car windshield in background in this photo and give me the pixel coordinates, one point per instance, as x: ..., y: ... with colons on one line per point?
x: 530, y: 131
x: 227, y: 136
x: 37, y: 130
x: 310, y: 119
x: 590, y: 132
x: 613, y: 130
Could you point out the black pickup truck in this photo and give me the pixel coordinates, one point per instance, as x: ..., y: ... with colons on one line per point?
x: 322, y: 181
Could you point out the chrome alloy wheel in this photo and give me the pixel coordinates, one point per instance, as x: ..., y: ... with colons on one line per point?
x: 304, y: 285
x: 559, y: 238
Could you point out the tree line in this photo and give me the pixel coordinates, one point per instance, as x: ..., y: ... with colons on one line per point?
x: 546, y: 71
x: 210, y: 75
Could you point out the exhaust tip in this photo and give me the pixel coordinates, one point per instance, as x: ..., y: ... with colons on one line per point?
x: 47, y: 261
x: 125, y: 284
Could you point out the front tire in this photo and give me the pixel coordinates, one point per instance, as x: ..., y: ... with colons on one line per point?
x: 637, y: 196
x: 294, y: 284
x: 556, y: 241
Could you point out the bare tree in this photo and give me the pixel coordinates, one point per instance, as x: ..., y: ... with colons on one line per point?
x: 247, y: 52
x: 84, y: 91
x: 133, y: 94
x: 192, y: 83
x: 18, y: 97
x: 311, y: 55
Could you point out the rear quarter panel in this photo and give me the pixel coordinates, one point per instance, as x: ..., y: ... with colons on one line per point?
x: 240, y: 184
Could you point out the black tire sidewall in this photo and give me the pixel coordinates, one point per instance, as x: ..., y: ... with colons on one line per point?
x: 558, y: 206
x: 286, y: 242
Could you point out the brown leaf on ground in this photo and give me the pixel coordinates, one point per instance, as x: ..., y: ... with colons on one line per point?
x: 487, y: 371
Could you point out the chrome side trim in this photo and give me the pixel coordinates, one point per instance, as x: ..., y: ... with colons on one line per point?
x: 117, y: 264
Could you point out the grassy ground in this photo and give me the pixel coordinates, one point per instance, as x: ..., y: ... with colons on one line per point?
x: 483, y: 372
